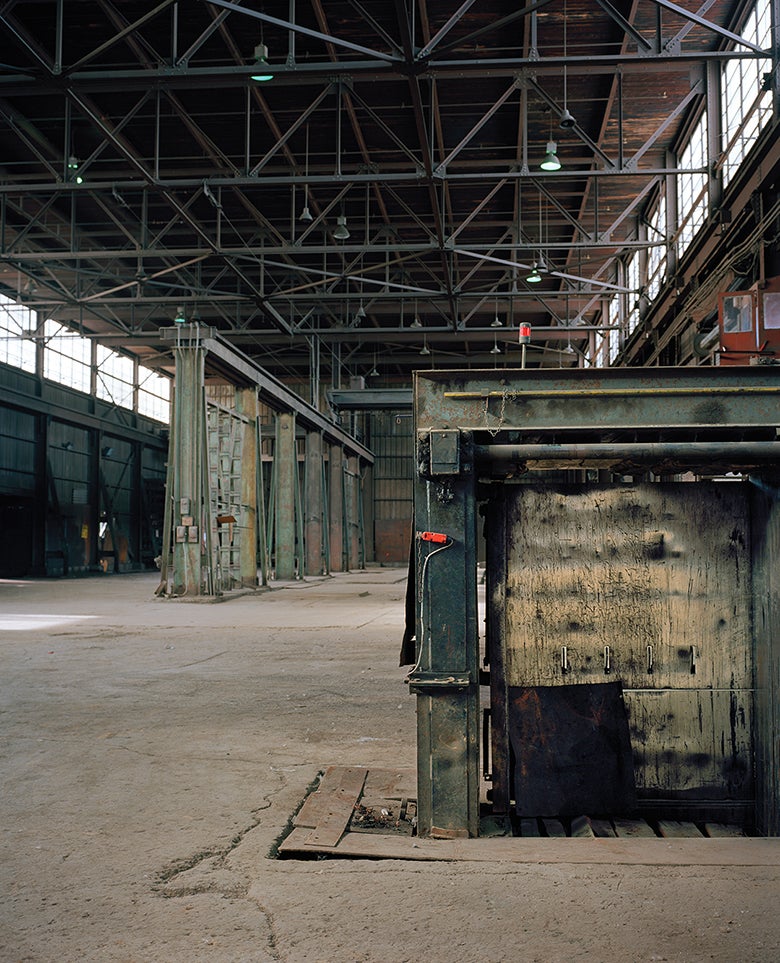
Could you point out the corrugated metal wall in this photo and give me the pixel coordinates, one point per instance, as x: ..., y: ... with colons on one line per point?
x: 81, y: 482
x: 392, y: 442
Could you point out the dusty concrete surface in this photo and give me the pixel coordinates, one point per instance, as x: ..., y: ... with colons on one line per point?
x: 152, y: 752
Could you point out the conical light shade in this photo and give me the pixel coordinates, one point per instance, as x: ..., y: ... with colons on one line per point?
x: 342, y: 231
x: 551, y: 162
x: 262, y: 71
x: 305, y: 214
x: 566, y: 121
x: 534, y: 277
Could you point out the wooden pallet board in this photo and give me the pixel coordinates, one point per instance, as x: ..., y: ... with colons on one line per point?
x: 323, y: 827
x: 743, y: 851
x: 633, y: 829
x: 327, y: 812
x: 722, y: 831
x: 676, y: 829
x: 554, y: 828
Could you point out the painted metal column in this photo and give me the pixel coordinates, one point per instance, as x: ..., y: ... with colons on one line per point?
x: 313, y: 507
x: 446, y: 676
x: 285, y: 456
x: 353, y: 513
x: 188, y: 455
x: 246, y: 404
x: 336, y: 508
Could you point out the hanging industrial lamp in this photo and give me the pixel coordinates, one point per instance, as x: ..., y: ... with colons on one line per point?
x: 342, y: 231
x: 262, y: 71
x: 551, y: 162
x: 534, y: 277
x: 305, y: 214
x: 180, y: 319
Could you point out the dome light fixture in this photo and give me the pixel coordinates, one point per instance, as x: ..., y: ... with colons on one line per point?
x: 262, y: 71
x: 551, y: 162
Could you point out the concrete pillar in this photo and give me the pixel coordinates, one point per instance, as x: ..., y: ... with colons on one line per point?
x: 313, y: 504
x: 336, y: 506
x: 246, y: 404
x: 286, y: 459
x: 187, y: 448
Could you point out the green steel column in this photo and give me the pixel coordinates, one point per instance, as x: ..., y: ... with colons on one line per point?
x: 336, y: 508
x: 286, y: 459
x: 446, y: 678
x: 246, y: 404
x: 313, y: 504
x: 187, y: 452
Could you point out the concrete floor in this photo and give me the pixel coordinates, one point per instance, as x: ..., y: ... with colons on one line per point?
x: 153, y: 750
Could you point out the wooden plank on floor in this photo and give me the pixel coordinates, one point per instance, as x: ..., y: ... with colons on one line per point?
x: 676, y: 829
x: 554, y: 828
x: 722, y: 830
x: 602, y: 828
x: 326, y: 813
x: 391, y: 783
x: 530, y: 828
x: 633, y: 829
x: 581, y: 828
x: 742, y: 851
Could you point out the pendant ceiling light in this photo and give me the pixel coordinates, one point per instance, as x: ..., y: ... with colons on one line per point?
x: 551, y: 162
x: 305, y: 214
x: 262, y: 71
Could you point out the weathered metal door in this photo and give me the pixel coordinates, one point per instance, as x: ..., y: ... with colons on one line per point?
x: 648, y: 584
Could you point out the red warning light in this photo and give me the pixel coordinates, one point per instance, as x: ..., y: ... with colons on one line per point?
x: 437, y: 537
x: 524, y: 333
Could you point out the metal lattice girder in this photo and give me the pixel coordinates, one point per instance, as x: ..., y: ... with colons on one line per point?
x: 144, y: 170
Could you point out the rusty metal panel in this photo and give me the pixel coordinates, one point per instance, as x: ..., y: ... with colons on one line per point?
x: 572, y: 750
x: 392, y: 537
x: 649, y: 584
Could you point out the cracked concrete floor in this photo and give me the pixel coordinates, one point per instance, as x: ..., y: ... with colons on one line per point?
x: 153, y: 750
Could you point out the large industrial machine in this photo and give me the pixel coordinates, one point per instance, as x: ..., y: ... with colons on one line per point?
x: 627, y: 660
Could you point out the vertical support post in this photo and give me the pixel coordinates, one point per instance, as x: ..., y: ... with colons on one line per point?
x: 313, y: 502
x: 39, y: 510
x: 352, y: 511
x: 336, y: 505
x: 262, y: 525
x: 246, y: 404
x: 446, y: 677
x: 286, y: 460
x: 187, y: 451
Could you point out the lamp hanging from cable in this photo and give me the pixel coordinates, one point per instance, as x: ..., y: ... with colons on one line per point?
x: 551, y: 162
x: 534, y: 277
x: 425, y: 349
x: 305, y: 214
x: 566, y: 121
x: 262, y: 71
x: 341, y: 232
x: 495, y: 349
x: 496, y: 322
